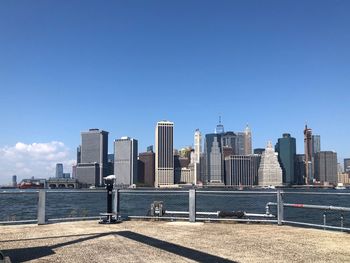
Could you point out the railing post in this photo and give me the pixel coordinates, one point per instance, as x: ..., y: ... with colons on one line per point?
x: 342, y: 221
x: 42, y: 207
x: 280, y: 211
x: 192, y: 205
x: 116, y: 203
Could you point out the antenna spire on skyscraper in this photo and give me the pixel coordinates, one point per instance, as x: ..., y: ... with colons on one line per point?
x: 219, y: 128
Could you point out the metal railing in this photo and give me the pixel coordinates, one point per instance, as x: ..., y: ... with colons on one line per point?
x: 323, y: 208
x: 201, y: 205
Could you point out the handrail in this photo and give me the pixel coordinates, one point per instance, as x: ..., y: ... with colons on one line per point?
x: 319, y: 207
x: 192, y: 212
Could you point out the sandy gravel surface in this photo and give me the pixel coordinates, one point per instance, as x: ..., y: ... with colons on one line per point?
x: 142, y: 241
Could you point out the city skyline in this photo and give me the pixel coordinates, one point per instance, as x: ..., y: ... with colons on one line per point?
x: 59, y: 150
x: 123, y: 66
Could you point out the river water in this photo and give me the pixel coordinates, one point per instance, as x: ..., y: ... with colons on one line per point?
x: 22, y: 205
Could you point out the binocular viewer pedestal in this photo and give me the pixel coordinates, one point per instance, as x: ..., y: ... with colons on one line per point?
x: 110, y: 217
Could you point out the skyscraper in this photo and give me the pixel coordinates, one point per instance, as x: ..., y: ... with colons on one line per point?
x: 203, y: 169
x: 347, y: 165
x: 240, y: 144
x: 247, y: 141
x: 270, y: 172
x: 242, y: 170
x: 219, y: 128
x: 125, y: 161
x: 164, y: 153
x: 14, y: 180
x: 316, y: 144
x: 146, y: 168
x: 110, y: 163
x: 150, y: 148
x: 59, y: 170
x: 196, y: 156
x: 214, y: 162
x: 79, y: 154
x: 326, y: 167
x: 88, y: 174
x: 94, y: 149
x: 308, y: 155
x: 74, y: 171
x: 197, y: 146
x: 299, y: 174
x: 286, y: 148
x: 229, y: 139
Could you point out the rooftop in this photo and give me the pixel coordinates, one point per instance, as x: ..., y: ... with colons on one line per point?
x: 144, y: 241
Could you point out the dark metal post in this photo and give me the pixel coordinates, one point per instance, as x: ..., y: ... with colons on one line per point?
x: 41, y: 207
x: 109, y: 195
x: 280, y: 204
x: 110, y: 217
x: 192, y: 205
x: 116, y: 203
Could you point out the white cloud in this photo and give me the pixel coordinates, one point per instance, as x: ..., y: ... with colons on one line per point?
x: 35, y: 159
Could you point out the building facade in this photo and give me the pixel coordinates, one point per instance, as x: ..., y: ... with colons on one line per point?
x: 125, y: 161
x: 146, y: 168
x: 14, y: 180
x: 308, y: 155
x: 197, y: 146
x: 270, y: 172
x: 326, y: 167
x: 94, y: 149
x: 240, y: 144
x: 88, y: 174
x: 79, y: 154
x: 299, y: 174
x: 259, y: 150
x: 242, y: 170
x: 286, y: 149
x: 316, y: 144
x: 164, y: 163
x: 229, y: 139
x: 214, y: 161
x: 248, y: 141
x: 59, y: 170
x: 347, y: 165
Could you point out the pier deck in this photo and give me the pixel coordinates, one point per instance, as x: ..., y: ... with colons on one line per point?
x: 143, y: 241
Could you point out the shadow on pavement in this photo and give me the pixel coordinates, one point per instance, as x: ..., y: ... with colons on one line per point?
x: 31, y: 253
x: 182, y: 251
x: 27, y: 253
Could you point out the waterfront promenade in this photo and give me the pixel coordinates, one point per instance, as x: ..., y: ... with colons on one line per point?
x: 144, y: 241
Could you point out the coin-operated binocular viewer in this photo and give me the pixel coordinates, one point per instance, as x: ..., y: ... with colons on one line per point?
x: 110, y: 217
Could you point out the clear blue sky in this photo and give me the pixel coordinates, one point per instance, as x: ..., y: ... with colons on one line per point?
x: 66, y: 66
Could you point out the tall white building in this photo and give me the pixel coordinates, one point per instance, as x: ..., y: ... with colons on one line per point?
x: 197, y: 145
x: 164, y: 151
x: 125, y: 161
x: 196, y: 156
x: 270, y: 172
x: 248, y: 141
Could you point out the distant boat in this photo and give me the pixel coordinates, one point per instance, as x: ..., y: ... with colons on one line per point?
x: 340, y: 186
x: 268, y: 187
